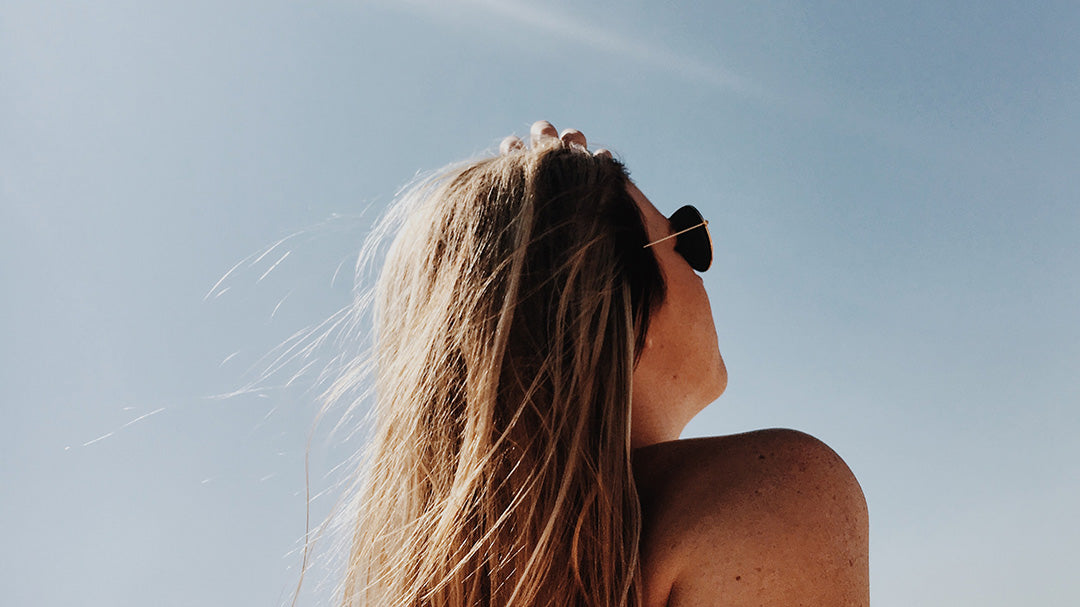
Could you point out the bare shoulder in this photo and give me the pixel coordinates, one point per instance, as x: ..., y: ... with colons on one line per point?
x: 772, y: 517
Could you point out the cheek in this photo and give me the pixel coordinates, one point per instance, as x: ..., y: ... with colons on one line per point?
x: 682, y: 328
x: 698, y: 331
x: 694, y: 310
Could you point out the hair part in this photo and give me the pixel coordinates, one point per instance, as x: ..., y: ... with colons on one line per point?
x: 509, y: 314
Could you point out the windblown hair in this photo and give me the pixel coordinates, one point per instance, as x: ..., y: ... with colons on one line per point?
x: 509, y: 314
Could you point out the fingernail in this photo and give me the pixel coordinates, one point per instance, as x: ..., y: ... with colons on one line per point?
x: 573, y: 136
x: 510, y: 144
x: 541, y: 129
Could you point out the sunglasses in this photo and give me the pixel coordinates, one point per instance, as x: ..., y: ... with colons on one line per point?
x: 693, y: 244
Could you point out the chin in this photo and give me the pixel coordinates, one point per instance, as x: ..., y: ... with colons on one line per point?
x: 711, y: 389
x: 720, y: 382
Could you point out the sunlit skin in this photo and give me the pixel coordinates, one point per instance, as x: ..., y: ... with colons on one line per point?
x: 680, y: 370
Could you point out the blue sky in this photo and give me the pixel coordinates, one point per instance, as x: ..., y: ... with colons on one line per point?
x: 892, y: 190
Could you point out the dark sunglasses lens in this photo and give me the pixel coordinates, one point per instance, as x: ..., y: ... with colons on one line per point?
x: 695, y: 245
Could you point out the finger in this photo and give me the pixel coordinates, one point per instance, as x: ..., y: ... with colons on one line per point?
x: 602, y: 153
x: 573, y: 136
x: 510, y: 144
x: 540, y: 131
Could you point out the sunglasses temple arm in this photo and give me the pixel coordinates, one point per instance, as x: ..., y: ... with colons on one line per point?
x: 704, y: 223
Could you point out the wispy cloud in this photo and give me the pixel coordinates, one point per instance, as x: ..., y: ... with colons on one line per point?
x: 566, y: 27
x: 560, y: 26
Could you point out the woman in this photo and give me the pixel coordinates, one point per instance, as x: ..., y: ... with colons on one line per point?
x: 542, y: 338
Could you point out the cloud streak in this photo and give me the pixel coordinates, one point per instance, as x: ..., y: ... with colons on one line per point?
x: 568, y: 28
x: 562, y: 27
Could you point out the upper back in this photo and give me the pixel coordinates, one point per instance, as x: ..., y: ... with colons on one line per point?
x: 772, y: 517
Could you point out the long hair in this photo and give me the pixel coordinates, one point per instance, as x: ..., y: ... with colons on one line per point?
x: 508, y: 317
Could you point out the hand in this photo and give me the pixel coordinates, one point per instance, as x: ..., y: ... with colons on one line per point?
x: 542, y: 132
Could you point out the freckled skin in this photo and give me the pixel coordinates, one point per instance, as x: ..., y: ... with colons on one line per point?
x: 765, y: 518
x: 772, y: 517
x: 680, y: 370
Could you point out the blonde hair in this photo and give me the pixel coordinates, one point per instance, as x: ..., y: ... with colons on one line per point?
x: 508, y: 316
